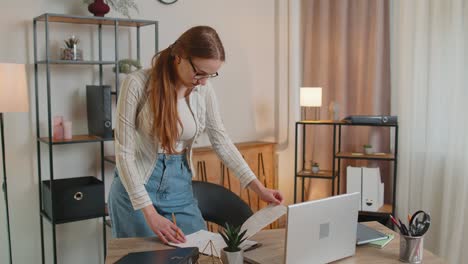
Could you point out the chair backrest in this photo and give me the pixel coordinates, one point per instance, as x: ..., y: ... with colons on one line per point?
x: 219, y: 205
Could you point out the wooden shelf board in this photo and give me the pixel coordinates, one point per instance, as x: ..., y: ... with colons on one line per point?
x: 350, y: 155
x: 323, y: 174
x: 75, y: 139
x: 92, y: 20
x: 385, y: 209
x: 321, y: 122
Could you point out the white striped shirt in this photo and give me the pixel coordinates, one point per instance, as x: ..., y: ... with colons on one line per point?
x: 136, y: 150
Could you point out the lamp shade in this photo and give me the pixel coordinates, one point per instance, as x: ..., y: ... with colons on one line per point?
x: 311, y: 96
x: 13, y: 88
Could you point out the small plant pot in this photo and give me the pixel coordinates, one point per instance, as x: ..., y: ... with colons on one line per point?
x: 368, y: 151
x: 74, y: 54
x: 315, y: 169
x: 232, y: 257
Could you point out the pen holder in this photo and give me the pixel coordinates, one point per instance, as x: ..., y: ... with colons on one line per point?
x: 411, y: 249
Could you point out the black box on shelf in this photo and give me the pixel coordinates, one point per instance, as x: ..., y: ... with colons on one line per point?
x: 74, y: 198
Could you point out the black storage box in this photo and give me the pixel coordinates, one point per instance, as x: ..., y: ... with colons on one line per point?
x: 74, y: 199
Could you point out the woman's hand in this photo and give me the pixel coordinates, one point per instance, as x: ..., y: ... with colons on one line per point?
x: 162, y: 227
x: 267, y: 195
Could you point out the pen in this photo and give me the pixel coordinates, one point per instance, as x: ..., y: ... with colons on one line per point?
x: 395, y: 222
x: 403, y: 228
x: 175, y: 223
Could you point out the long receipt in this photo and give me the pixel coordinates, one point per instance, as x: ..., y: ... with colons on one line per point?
x: 255, y: 223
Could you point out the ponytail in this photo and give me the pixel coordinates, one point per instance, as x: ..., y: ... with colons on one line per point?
x: 164, y: 100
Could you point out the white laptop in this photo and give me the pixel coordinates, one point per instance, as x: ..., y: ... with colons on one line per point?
x: 322, y: 231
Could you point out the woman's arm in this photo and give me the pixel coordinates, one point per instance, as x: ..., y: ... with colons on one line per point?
x: 267, y: 195
x: 131, y: 92
x: 229, y: 154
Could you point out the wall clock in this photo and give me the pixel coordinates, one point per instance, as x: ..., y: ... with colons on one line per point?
x: 167, y: 2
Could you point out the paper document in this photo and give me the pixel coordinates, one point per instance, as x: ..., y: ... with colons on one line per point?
x: 254, y: 224
x: 263, y: 218
x: 202, y: 238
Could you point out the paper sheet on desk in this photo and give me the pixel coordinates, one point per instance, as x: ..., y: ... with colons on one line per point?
x: 201, y: 239
x: 262, y: 218
x: 254, y: 224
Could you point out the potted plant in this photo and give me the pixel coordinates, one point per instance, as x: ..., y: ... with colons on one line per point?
x: 125, y: 66
x: 315, y: 167
x: 367, y: 149
x: 232, y: 253
x: 71, y: 50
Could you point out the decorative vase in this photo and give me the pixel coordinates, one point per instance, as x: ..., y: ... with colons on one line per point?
x: 58, y: 128
x: 315, y: 169
x: 99, y: 8
x: 71, y: 53
x: 368, y: 151
x: 333, y: 111
x: 232, y: 257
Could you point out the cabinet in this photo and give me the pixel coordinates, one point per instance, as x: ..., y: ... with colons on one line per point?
x: 68, y: 198
x: 338, y: 156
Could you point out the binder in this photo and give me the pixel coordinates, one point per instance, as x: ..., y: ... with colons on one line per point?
x: 366, y: 181
x: 354, y: 181
x: 371, y: 185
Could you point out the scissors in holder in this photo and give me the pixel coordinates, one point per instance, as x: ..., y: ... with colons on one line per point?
x: 419, y: 223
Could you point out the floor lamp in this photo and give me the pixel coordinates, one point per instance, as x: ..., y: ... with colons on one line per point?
x: 13, y: 98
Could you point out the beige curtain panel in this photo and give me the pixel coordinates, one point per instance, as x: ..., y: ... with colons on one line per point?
x: 346, y: 52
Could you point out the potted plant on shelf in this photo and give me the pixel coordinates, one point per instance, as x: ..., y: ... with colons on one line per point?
x: 125, y: 66
x: 71, y: 50
x: 315, y: 167
x: 232, y: 253
x: 367, y: 149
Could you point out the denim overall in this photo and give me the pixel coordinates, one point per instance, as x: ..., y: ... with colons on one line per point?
x: 170, y: 189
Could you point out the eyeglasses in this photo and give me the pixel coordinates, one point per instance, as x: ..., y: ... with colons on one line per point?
x: 199, y: 76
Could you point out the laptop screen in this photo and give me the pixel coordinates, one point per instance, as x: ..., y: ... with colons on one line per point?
x: 323, y: 230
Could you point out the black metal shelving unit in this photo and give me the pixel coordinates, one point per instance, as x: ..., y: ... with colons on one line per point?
x: 48, y: 140
x: 337, y: 156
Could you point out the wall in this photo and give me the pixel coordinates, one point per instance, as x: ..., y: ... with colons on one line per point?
x: 250, y: 89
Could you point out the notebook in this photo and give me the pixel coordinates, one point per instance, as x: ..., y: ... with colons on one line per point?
x: 382, y: 243
x: 366, y: 235
x: 169, y: 256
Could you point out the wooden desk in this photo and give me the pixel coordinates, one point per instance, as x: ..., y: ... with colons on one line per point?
x: 272, y: 250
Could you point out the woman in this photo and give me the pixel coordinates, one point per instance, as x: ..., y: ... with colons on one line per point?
x: 160, y: 113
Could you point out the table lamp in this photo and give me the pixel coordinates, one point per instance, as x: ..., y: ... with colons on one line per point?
x: 13, y: 98
x: 311, y: 97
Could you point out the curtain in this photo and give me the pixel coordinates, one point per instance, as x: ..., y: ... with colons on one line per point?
x: 430, y: 94
x: 346, y: 52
